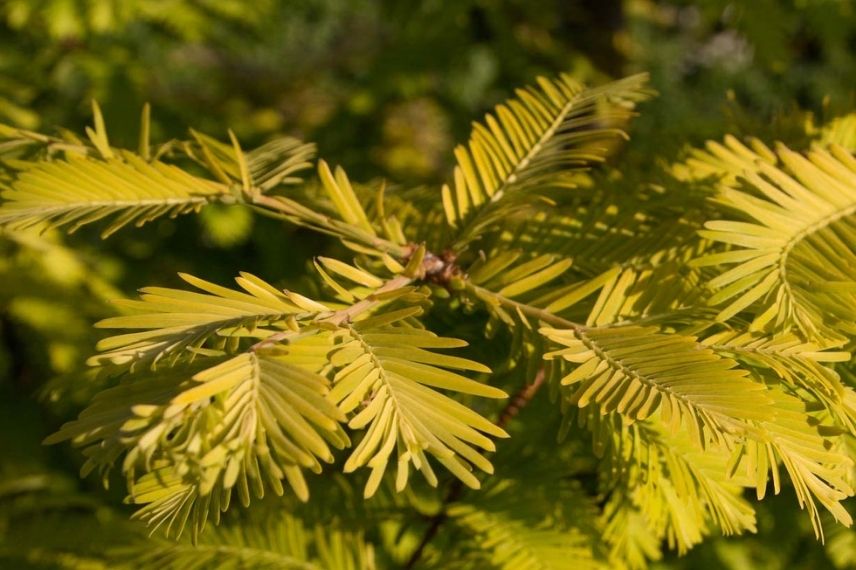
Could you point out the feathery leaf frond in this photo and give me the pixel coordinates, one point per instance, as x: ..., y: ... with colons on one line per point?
x: 246, y: 423
x: 792, y: 438
x: 275, y: 542
x: 797, y: 363
x: 536, y: 140
x: 94, y: 183
x: 795, y: 260
x: 628, y: 293
x: 385, y: 369
x: 631, y: 541
x: 514, y: 529
x: 680, y: 489
x: 260, y: 170
x: 79, y: 191
x: 637, y: 371
x: 497, y: 282
x: 724, y: 163
x: 174, y: 324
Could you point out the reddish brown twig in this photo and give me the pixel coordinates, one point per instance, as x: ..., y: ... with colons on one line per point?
x: 517, y: 402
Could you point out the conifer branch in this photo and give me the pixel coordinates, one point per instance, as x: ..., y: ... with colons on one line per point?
x: 234, y: 392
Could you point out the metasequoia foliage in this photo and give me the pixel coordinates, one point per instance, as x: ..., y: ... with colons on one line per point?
x: 693, y: 334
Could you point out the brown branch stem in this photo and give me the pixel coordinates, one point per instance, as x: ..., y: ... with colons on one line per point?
x: 517, y: 402
x: 342, y: 316
x: 348, y: 314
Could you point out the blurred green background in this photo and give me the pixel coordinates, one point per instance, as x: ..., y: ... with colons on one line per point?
x: 386, y: 89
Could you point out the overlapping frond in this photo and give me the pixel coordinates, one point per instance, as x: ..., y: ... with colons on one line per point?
x: 344, y: 198
x: 336, y: 209
x: 799, y: 364
x: 724, y: 163
x: 536, y: 140
x: 653, y: 287
x: 175, y: 324
x: 278, y: 541
x: 680, y: 490
x: 795, y: 259
x: 615, y: 219
x: 94, y: 181
x: 511, y: 274
x: 658, y: 287
x: 245, y: 423
x: 385, y: 370
x: 277, y: 162
x: 253, y: 417
x: 696, y: 479
x: 22, y: 144
x: 261, y: 169
x: 630, y: 540
x: 678, y: 487
x: 637, y: 371
x: 514, y: 530
x: 792, y: 438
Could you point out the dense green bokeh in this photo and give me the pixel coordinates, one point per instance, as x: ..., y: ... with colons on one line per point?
x: 386, y: 88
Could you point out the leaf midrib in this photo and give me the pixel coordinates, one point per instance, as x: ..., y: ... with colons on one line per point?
x: 802, y: 234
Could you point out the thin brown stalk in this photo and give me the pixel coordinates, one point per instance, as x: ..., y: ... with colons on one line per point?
x: 517, y: 402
